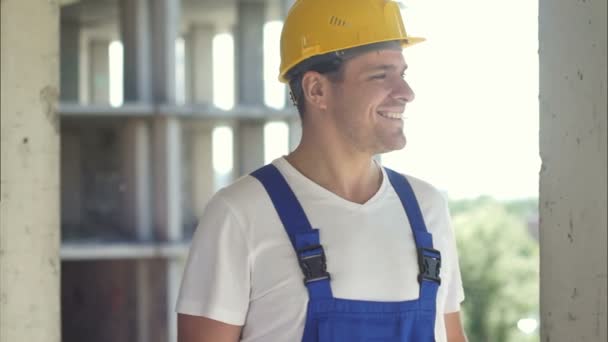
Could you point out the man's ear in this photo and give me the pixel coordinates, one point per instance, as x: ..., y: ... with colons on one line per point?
x: 314, y: 87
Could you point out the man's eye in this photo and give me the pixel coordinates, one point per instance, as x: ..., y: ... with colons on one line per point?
x: 379, y: 77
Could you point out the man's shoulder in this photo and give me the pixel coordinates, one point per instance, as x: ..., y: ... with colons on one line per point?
x: 241, y: 192
x: 425, y: 191
x: 245, y: 198
x: 433, y: 204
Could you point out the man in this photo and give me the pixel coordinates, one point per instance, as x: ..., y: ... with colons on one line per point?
x: 324, y: 244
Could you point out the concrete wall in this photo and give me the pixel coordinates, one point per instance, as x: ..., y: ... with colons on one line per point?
x: 29, y: 202
x: 573, y: 182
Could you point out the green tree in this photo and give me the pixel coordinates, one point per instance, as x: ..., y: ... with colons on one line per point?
x: 499, y: 265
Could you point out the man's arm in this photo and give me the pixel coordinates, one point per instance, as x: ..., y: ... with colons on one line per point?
x: 453, y: 327
x: 202, y: 329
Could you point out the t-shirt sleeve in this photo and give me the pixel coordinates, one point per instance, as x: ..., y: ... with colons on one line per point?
x: 216, y: 278
x: 455, y: 291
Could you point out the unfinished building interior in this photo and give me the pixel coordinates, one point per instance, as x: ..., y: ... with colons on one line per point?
x: 136, y: 170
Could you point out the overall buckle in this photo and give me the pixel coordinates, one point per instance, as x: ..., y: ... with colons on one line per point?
x: 429, y: 262
x: 313, y: 263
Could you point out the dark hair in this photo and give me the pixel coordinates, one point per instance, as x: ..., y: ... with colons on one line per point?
x: 324, y: 64
x: 327, y: 64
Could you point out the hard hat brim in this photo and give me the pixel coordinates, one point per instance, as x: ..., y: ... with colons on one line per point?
x: 405, y: 43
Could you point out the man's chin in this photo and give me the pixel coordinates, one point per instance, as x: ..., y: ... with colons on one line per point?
x: 395, y: 146
x: 388, y: 150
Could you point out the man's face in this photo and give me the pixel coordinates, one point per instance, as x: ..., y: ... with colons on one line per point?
x: 368, y: 102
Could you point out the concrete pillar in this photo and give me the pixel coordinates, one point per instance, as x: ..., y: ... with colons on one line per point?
x: 249, y: 36
x: 70, y: 60
x: 168, y: 224
x: 199, y: 90
x: 573, y: 177
x: 135, y: 35
x: 29, y: 143
x: 175, y: 269
x: 167, y: 130
x: 249, y: 146
x: 84, y: 65
x: 165, y: 20
x: 144, y: 295
x: 165, y: 17
x: 188, y: 68
x: 99, y: 75
x: 149, y: 33
x: 135, y: 32
x: 136, y: 162
x: 200, y: 63
x: 137, y: 88
x: 202, y: 167
x: 167, y: 174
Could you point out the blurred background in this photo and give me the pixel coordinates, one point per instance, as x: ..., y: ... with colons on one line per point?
x: 163, y: 102
x: 224, y: 113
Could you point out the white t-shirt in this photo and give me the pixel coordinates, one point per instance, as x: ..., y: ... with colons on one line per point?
x: 242, y: 268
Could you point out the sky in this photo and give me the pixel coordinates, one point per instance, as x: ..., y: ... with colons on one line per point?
x: 473, y: 127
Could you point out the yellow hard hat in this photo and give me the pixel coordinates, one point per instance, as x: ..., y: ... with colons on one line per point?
x: 317, y: 27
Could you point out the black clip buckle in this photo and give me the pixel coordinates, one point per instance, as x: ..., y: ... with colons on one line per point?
x: 429, y: 264
x: 313, y: 265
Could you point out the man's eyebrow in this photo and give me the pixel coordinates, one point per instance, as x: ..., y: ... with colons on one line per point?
x: 384, y: 67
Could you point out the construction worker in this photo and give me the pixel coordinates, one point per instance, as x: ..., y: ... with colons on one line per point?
x: 325, y: 244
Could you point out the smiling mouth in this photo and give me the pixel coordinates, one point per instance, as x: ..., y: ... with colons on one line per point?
x: 391, y: 115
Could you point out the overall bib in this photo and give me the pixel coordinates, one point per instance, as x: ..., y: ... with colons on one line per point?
x: 345, y: 320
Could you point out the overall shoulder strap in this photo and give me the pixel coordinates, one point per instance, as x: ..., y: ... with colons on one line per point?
x: 304, y: 238
x: 429, y: 259
x: 285, y: 202
x: 412, y: 209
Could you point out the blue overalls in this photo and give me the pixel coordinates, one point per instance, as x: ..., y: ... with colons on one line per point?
x: 344, y: 320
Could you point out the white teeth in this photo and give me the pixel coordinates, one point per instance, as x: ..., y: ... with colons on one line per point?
x: 391, y: 115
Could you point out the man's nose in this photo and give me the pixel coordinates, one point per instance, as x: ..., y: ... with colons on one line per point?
x: 403, y: 92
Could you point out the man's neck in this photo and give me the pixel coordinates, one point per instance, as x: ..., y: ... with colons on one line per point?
x: 352, y: 176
